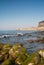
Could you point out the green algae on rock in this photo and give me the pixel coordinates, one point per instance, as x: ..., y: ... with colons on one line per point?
x: 17, y: 55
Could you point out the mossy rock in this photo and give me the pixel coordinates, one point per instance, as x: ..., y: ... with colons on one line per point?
x: 1, y: 46
x: 42, y: 40
x: 6, y: 48
x: 32, y: 59
x: 21, y: 59
x: 6, y: 62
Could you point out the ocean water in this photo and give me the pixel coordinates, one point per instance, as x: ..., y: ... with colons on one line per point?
x: 13, y: 38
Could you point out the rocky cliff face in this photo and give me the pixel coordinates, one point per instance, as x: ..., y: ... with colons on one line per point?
x: 41, y: 26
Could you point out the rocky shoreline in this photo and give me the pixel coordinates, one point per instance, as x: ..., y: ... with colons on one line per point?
x: 17, y: 55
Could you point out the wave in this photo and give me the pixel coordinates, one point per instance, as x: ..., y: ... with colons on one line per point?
x: 6, y: 36
x: 10, y: 35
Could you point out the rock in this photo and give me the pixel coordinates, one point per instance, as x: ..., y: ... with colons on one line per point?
x: 27, y: 34
x: 18, y: 55
x: 1, y: 46
x: 42, y: 40
x: 38, y: 37
x: 19, y: 34
x: 38, y: 40
x: 15, y: 50
x: 41, y: 52
x: 5, y: 37
x: 1, y: 56
x: 31, y: 64
x: 41, y: 26
x: 31, y: 41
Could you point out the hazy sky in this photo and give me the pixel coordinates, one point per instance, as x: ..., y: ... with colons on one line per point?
x: 20, y: 13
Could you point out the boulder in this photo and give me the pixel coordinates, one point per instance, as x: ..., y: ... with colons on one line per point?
x: 31, y: 41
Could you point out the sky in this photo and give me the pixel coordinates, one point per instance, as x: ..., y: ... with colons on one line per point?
x: 20, y: 13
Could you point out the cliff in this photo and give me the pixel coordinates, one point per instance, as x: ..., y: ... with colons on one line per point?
x: 41, y: 26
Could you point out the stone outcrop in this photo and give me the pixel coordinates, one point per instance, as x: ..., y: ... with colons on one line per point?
x: 41, y: 26
x: 18, y: 55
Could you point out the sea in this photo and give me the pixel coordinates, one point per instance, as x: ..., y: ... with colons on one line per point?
x: 12, y: 37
